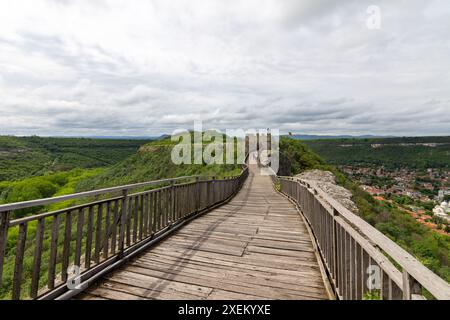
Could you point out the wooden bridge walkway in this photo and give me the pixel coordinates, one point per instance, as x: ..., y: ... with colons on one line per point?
x: 256, y: 246
x: 205, y: 238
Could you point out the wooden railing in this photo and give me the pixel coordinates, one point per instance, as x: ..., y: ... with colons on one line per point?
x: 361, y: 262
x: 41, y: 253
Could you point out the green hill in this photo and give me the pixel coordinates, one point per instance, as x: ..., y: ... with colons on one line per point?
x: 153, y: 162
x: 392, y: 153
x: 23, y: 157
x: 296, y: 157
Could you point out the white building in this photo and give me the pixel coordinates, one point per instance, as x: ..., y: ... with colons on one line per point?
x: 442, y: 193
x: 442, y: 211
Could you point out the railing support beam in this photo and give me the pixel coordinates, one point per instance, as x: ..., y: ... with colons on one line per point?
x: 123, y: 221
x: 4, y: 226
x: 411, y: 288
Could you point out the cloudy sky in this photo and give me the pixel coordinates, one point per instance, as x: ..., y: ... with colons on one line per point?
x: 85, y: 67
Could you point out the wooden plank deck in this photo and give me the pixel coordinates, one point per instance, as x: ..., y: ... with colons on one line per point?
x: 255, y: 247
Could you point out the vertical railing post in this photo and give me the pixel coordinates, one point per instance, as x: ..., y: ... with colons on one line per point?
x: 411, y: 288
x: 18, y: 265
x: 213, y: 188
x: 208, y: 193
x: 334, y: 246
x: 123, y: 220
x: 172, y: 200
x: 4, y: 226
x: 197, y: 196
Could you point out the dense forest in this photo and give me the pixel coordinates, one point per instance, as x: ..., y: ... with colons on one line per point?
x: 23, y: 157
x: 392, y: 153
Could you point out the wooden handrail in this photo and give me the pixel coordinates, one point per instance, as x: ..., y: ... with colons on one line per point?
x: 103, y: 232
x: 326, y: 214
x: 45, y: 201
x: 437, y: 286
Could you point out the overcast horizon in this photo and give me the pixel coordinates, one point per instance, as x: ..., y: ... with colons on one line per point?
x: 116, y: 68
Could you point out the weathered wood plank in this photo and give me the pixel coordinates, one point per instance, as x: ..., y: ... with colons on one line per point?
x: 79, y: 240
x: 37, y: 258
x: 255, y: 247
x: 66, y: 248
x: 107, y: 231
x: 218, y: 294
x: 114, y: 225
x: 136, y: 219
x: 4, y: 226
x: 89, y: 235
x: 144, y: 223
x: 98, y: 234
x: 309, y: 283
x: 133, y: 287
x: 150, y: 213
x: 268, y: 292
x: 152, y: 284
x: 275, y: 270
x: 53, y: 252
x: 129, y: 213
x: 18, y: 266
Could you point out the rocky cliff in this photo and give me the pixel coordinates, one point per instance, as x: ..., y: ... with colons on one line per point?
x: 326, y: 181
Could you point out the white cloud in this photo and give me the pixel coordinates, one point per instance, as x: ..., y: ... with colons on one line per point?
x: 115, y: 67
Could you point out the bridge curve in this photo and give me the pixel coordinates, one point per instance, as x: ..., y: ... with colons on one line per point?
x: 205, y: 238
x: 256, y: 246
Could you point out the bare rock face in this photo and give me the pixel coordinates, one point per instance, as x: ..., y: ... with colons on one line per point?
x: 318, y: 176
x: 326, y: 181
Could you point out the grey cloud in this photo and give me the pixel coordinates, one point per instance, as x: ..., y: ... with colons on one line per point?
x: 154, y: 68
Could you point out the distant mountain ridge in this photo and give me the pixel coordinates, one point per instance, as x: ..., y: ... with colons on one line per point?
x: 149, y: 138
x: 318, y: 137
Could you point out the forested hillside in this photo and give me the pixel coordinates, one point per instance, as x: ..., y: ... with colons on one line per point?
x: 153, y: 162
x: 392, y: 153
x: 22, y: 157
x: 46, y: 186
x: 296, y: 157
